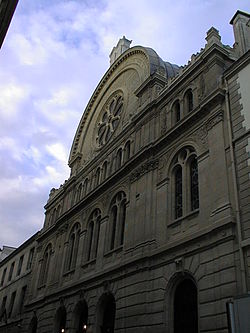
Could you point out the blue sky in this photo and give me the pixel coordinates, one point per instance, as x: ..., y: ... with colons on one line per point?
x: 53, y: 56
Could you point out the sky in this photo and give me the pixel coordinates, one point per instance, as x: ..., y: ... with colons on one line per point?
x: 52, y: 58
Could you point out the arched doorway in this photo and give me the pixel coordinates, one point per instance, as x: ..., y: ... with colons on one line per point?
x: 81, y: 317
x: 185, y: 307
x: 60, y: 320
x: 106, y: 314
x: 33, y: 325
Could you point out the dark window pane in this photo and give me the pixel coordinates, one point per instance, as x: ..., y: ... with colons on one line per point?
x: 194, y: 185
x: 178, y: 192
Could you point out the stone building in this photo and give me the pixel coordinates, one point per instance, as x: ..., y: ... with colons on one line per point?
x: 151, y: 232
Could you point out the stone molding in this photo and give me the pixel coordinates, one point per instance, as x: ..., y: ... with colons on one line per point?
x: 143, y: 169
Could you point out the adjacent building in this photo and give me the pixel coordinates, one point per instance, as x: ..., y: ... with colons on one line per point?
x: 7, y: 9
x: 151, y: 232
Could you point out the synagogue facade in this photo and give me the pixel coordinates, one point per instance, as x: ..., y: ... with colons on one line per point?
x: 151, y: 232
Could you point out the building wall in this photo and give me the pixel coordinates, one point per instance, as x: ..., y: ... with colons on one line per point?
x: 18, y: 283
x: 238, y: 85
x: 140, y: 272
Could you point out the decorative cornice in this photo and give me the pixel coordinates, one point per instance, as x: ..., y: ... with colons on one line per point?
x: 143, y: 169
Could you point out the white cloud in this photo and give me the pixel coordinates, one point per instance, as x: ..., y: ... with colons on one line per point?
x: 57, y: 150
x: 53, y: 57
x: 11, y: 95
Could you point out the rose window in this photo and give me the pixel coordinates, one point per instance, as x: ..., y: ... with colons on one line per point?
x: 110, y: 119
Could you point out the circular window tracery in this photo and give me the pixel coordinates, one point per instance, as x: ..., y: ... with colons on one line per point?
x: 109, y: 120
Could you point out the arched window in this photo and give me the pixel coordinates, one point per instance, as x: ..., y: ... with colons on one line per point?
x: 53, y: 218
x: 118, y: 159
x: 97, y: 176
x: 104, y: 170
x: 58, y: 211
x: 189, y: 104
x: 93, y: 231
x: 114, y: 223
x: 45, y: 265
x: 85, y: 186
x: 117, y: 220
x: 194, y: 184
x: 127, y: 151
x: 185, y: 183
x: 90, y: 238
x: 177, y: 111
x: 178, y: 191
x: 73, y: 247
x: 79, y: 193
x: 33, y: 325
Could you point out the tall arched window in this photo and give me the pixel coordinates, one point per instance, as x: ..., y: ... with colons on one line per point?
x: 74, y: 238
x: 118, y: 159
x: 114, y: 223
x: 45, y: 265
x: 97, y: 176
x: 104, y: 170
x: 127, y: 151
x: 176, y: 111
x: 79, y: 193
x: 117, y: 220
x: 185, y: 183
x: 53, y: 217
x: 189, y: 103
x: 58, y: 211
x: 178, y: 191
x: 194, y: 184
x: 85, y: 186
x: 93, y: 231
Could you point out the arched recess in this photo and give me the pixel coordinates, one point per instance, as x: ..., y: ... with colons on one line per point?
x: 105, y: 315
x: 80, y: 319
x: 182, y: 304
x: 33, y: 325
x: 60, y: 320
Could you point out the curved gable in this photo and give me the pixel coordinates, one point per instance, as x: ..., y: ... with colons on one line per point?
x: 123, y: 77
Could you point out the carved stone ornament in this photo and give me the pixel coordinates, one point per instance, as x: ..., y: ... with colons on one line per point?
x: 110, y: 117
x: 201, y: 135
x: 218, y: 117
x: 82, y: 293
x: 106, y: 285
x: 143, y: 169
x: 202, y: 132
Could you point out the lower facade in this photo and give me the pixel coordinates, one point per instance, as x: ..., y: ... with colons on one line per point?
x: 161, y: 293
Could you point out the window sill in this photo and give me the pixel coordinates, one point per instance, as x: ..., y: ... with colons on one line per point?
x: 110, y: 252
x: 41, y: 286
x: 188, y: 216
x: 70, y: 271
x: 88, y: 263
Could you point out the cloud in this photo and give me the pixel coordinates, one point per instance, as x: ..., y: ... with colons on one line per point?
x: 11, y: 95
x: 53, y: 57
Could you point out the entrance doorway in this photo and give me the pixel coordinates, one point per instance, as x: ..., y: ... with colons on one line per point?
x: 106, y: 314
x: 60, y: 320
x: 185, y: 307
x: 33, y: 325
x: 81, y: 317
